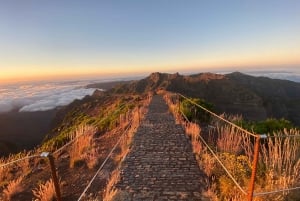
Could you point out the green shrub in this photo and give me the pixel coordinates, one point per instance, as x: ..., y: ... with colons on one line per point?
x: 195, y: 113
x: 268, y: 126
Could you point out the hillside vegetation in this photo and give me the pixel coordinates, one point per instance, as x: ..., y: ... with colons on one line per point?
x: 85, y: 131
x: 255, y: 98
x: 220, y: 147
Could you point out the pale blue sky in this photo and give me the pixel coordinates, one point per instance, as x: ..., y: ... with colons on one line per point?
x: 52, y: 38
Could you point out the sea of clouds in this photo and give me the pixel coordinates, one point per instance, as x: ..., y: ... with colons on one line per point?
x: 283, y: 75
x: 291, y: 75
x: 41, y: 96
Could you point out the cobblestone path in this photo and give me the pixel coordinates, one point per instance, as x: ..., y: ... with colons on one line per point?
x: 161, y: 164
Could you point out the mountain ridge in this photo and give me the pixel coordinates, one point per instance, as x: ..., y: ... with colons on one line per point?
x: 255, y: 98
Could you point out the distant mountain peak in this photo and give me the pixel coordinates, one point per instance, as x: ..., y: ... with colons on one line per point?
x: 255, y: 98
x: 204, y: 77
x: 237, y: 73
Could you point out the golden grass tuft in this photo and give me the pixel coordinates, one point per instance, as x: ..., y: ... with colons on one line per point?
x: 229, y: 139
x: 82, y: 150
x: 136, y: 116
x: 110, y: 191
x: 13, y: 188
x: 45, y: 192
x: 281, y: 159
x: 279, y: 164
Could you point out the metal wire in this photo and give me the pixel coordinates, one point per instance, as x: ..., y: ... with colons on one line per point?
x: 217, y: 158
x: 67, y: 144
x: 104, y: 162
x: 70, y: 142
x: 283, y: 136
x: 247, y: 132
x: 232, y: 178
x: 18, y: 160
x: 214, y: 114
x: 184, y: 116
x: 277, y: 191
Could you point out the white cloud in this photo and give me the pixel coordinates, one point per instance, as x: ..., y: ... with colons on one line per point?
x: 55, y: 100
x: 5, y: 106
x: 41, y: 96
x: 292, y: 76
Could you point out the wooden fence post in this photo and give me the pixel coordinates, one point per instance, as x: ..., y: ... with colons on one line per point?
x: 54, y: 175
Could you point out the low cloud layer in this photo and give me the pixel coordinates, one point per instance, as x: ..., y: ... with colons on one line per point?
x: 47, y: 96
x: 41, y: 96
x: 292, y: 76
x: 56, y: 100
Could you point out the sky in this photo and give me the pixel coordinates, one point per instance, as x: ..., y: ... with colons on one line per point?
x: 62, y: 39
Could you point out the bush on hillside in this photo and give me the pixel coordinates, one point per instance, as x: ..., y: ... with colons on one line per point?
x: 268, y: 126
x: 195, y: 113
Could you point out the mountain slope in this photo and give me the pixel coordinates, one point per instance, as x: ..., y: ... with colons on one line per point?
x: 256, y: 98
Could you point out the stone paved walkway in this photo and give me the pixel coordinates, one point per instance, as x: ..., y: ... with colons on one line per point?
x: 161, y: 164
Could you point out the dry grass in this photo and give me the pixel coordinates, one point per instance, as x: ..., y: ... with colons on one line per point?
x: 13, y: 188
x: 280, y: 160
x: 4, y: 173
x: 45, y: 192
x: 110, y: 191
x: 19, y: 169
x: 136, y: 115
x: 82, y: 149
x: 229, y: 139
x: 211, y: 192
x: 26, y: 165
x: 172, y: 101
x: 279, y: 165
x: 248, y: 147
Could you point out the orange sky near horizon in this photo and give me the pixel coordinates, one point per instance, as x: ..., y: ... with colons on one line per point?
x: 74, y: 40
x: 223, y: 62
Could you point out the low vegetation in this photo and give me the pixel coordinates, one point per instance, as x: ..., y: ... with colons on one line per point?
x: 96, y: 121
x: 45, y: 192
x: 279, y: 162
x: 14, y: 187
x: 268, y: 126
x: 83, y: 149
x: 84, y: 138
x: 112, y: 194
x: 193, y: 112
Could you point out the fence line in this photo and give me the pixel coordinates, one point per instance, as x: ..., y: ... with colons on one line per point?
x: 72, y: 140
x: 184, y: 116
x: 18, y: 160
x: 227, y: 171
x: 104, y: 162
x: 38, y: 155
x: 283, y: 136
x: 56, y: 151
x: 247, y: 132
x: 277, y: 191
x: 67, y: 144
x: 220, y: 162
x: 214, y: 114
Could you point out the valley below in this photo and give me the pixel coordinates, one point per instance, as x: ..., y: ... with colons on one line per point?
x: 23, y: 130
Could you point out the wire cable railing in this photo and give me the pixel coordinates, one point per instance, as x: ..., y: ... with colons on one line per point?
x: 19, y: 160
x: 218, y: 116
x: 251, y: 192
x: 4, y: 164
x: 104, y: 162
x: 56, y: 151
x: 277, y: 191
x: 283, y: 136
x: 67, y: 144
x: 217, y: 158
